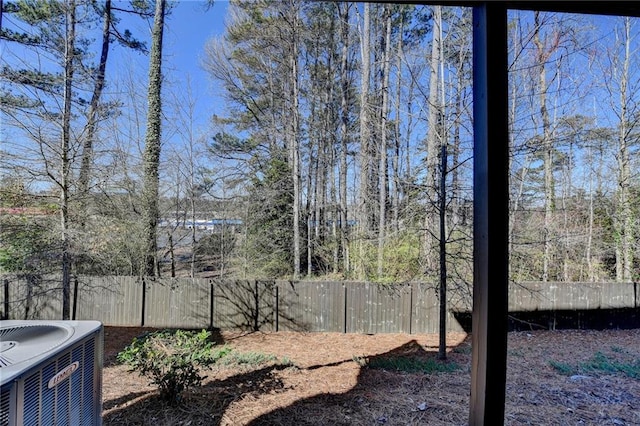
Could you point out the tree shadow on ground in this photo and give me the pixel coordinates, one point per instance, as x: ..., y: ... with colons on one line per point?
x: 392, y: 389
x: 205, y: 405
x: 380, y: 395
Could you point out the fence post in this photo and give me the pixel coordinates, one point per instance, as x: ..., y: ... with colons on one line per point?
x: 345, y: 308
x: 6, y: 299
x: 75, y: 298
x: 211, y: 296
x: 411, y: 286
x: 256, y: 297
x: 276, y: 311
x: 144, y: 301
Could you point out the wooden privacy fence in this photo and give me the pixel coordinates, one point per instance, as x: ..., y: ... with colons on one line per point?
x: 349, y: 307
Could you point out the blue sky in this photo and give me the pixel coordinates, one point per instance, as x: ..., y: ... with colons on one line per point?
x: 187, y: 29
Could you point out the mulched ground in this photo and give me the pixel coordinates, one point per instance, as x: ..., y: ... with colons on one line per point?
x: 328, y: 381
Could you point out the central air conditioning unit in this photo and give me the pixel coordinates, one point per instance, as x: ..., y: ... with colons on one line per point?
x: 51, y: 373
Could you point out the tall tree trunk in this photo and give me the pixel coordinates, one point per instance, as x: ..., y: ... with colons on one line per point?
x: 442, y: 207
x: 194, y: 240
x: 433, y: 135
x: 363, y: 202
x: 69, y: 55
x: 344, y: 132
x: 624, y: 214
x: 595, y: 155
x: 547, y: 147
x: 151, y: 155
x: 514, y: 198
x: 295, y: 143
x: 590, y: 268
x: 384, y: 114
x: 456, y: 140
x: 566, y: 193
x: 92, y: 116
x: 311, y: 189
x: 395, y: 203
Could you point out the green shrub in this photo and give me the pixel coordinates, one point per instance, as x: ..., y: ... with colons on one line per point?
x: 171, y: 359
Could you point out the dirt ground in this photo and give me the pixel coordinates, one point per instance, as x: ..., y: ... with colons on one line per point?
x: 328, y: 380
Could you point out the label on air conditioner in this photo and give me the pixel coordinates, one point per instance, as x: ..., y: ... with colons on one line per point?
x: 63, y: 374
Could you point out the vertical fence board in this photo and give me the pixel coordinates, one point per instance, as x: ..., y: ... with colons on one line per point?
x: 244, y: 305
x: 359, y: 312
x: 36, y: 297
x: 48, y: 304
x: 527, y: 296
x: 618, y: 295
x: 311, y: 306
x: 182, y: 303
x: 112, y: 300
x: 373, y: 308
x: 426, y: 311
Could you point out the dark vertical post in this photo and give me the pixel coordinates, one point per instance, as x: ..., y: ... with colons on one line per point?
x: 144, y: 302
x: 411, y: 287
x: 75, y: 298
x: 442, y: 346
x: 6, y: 299
x: 256, y: 300
x: 490, y: 214
x: 276, y: 306
x: 211, y: 302
x: 344, y: 287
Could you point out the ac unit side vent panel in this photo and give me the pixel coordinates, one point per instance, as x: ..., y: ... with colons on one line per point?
x: 5, y: 404
x: 89, y: 385
x: 72, y: 401
x: 32, y: 399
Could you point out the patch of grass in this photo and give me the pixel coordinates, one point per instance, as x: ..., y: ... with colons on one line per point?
x: 563, y: 368
x: 618, y: 350
x: 219, y: 352
x: 462, y: 349
x: 515, y: 352
x: 252, y: 359
x: 286, y: 361
x: 410, y: 364
x: 601, y: 363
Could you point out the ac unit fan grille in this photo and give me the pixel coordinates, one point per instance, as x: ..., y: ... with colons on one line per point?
x: 21, y: 343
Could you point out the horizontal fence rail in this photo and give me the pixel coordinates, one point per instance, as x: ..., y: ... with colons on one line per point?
x: 348, y: 307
